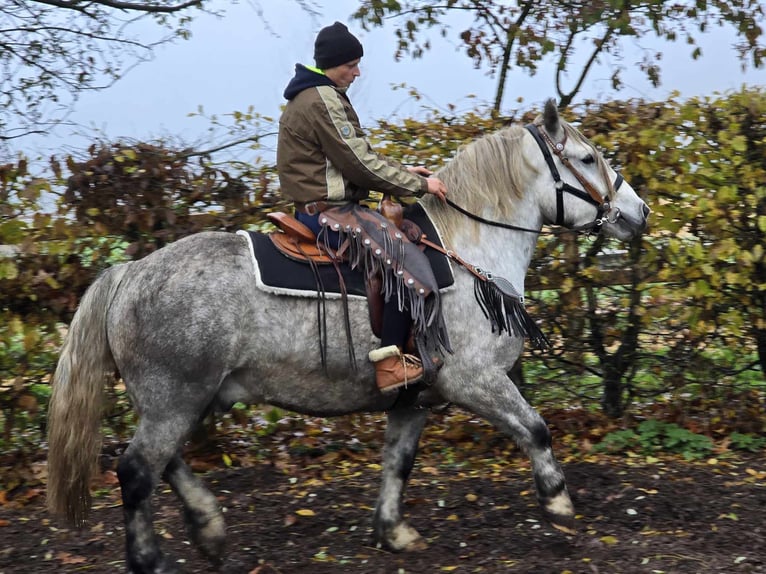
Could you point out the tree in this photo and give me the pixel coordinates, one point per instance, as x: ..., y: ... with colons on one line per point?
x: 522, y: 33
x: 52, y: 50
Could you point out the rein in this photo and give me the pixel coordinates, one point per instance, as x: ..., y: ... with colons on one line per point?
x: 455, y: 206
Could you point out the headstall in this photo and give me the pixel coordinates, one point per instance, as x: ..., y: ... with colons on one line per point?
x: 604, y: 210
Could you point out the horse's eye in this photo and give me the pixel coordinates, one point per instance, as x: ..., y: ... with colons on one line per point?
x: 588, y: 159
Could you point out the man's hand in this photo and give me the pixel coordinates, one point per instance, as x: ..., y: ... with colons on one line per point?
x: 436, y: 187
x: 420, y: 170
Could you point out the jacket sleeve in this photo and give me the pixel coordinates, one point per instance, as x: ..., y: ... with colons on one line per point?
x: 349, y: 151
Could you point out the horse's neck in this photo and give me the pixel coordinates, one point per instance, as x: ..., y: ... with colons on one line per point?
x: 503, y: 252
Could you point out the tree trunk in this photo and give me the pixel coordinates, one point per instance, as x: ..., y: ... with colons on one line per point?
x: 760, y: 341
x: 611, y: 400
x: 516, y: 374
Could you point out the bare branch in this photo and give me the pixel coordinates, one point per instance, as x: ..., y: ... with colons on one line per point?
x: 235, y: 143
x: 128, y: 6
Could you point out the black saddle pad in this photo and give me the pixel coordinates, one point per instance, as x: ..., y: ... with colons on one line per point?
x: 281, y: 274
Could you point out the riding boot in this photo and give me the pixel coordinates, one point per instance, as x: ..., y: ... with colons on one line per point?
x: 393, y: 369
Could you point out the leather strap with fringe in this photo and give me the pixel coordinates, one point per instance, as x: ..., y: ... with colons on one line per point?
x: 499, y: 301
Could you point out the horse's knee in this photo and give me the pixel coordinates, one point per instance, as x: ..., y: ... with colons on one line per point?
x: 541, y: 435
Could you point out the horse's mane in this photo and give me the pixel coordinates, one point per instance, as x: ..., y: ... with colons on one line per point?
x: 487, y: 173
x: 487, y: 170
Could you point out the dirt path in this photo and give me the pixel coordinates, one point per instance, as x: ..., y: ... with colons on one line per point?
x: 312, y: 514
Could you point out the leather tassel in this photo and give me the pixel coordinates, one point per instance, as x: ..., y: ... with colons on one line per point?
x: 504, y: 308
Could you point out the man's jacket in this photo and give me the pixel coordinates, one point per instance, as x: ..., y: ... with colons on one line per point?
x: 322, y: 152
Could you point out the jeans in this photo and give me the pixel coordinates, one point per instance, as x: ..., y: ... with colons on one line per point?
x: 396, y: 323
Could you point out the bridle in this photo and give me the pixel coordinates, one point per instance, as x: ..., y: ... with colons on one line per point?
x: 605, y: 212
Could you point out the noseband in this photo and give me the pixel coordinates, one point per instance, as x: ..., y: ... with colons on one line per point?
x: 604, y: 210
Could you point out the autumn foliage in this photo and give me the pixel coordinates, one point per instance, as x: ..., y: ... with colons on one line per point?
x: 682, y: 310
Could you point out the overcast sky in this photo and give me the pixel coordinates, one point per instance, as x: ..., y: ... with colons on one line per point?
x: 245, y: 59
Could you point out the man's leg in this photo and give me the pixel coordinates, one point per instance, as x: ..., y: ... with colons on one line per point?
x: 393, y: 369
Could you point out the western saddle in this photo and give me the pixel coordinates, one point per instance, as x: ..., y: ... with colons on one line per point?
x: 296, y: 241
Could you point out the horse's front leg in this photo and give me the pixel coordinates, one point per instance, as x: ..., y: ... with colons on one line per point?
x: 494, y: 397
x: 405, y: 425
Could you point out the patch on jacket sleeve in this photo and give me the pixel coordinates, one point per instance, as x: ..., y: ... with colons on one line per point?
x: 346, y: 131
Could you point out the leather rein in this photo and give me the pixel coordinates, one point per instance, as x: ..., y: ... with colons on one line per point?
x: 605, y: 212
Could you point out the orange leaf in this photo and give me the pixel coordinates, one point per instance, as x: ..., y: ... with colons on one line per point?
x: 67, y: 558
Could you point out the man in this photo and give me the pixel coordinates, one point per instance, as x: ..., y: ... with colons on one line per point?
x: 326, y: 166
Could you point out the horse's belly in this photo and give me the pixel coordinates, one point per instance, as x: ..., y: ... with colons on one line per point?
x: 307, y: 392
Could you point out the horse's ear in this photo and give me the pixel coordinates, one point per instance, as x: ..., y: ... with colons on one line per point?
x: 551, y: 117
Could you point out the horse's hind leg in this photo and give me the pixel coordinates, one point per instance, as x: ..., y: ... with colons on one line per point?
x: 202, y: 514
x: 153, y: 446
x: 138, y: 478
x: 402, y: 435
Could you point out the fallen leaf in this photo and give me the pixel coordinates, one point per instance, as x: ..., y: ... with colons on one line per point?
x: 67, y: 558
x: 305, y: 512
x: 110, y: 478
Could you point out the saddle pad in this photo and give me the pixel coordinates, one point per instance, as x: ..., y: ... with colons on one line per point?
x: 276, y: 273
x: 440, y: 263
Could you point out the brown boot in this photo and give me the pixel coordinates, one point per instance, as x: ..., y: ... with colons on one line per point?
x: 394, y: 369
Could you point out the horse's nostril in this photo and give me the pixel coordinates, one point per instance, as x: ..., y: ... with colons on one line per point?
x: 646, y: 211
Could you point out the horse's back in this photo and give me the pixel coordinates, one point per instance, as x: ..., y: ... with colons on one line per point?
x: 180, y: 309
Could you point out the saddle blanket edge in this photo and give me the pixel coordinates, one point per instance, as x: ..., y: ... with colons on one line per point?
x: 261, y: 285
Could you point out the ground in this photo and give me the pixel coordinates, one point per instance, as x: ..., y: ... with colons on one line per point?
x: 307, y: 508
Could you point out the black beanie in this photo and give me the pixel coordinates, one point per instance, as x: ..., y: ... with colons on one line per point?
x: 335, y: 45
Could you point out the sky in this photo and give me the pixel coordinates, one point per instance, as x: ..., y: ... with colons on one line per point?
x: 246, y: 58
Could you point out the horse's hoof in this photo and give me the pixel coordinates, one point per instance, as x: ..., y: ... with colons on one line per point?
x: 164, y: 566
x: 208, y: 533
x: 565, y: 524
x: 403, y: 538
x: 559, y: 512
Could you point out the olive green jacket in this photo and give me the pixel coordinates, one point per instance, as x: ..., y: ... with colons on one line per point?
x: 322, y: 151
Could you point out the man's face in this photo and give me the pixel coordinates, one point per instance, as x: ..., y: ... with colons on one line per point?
x: 345, y: 74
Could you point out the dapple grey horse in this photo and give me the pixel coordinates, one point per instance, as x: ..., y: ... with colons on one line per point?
x: 189, y: 334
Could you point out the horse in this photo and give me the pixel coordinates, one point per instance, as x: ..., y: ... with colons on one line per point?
x: 189, y: 334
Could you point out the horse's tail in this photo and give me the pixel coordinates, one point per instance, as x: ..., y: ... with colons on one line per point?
x: 75, y: 408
